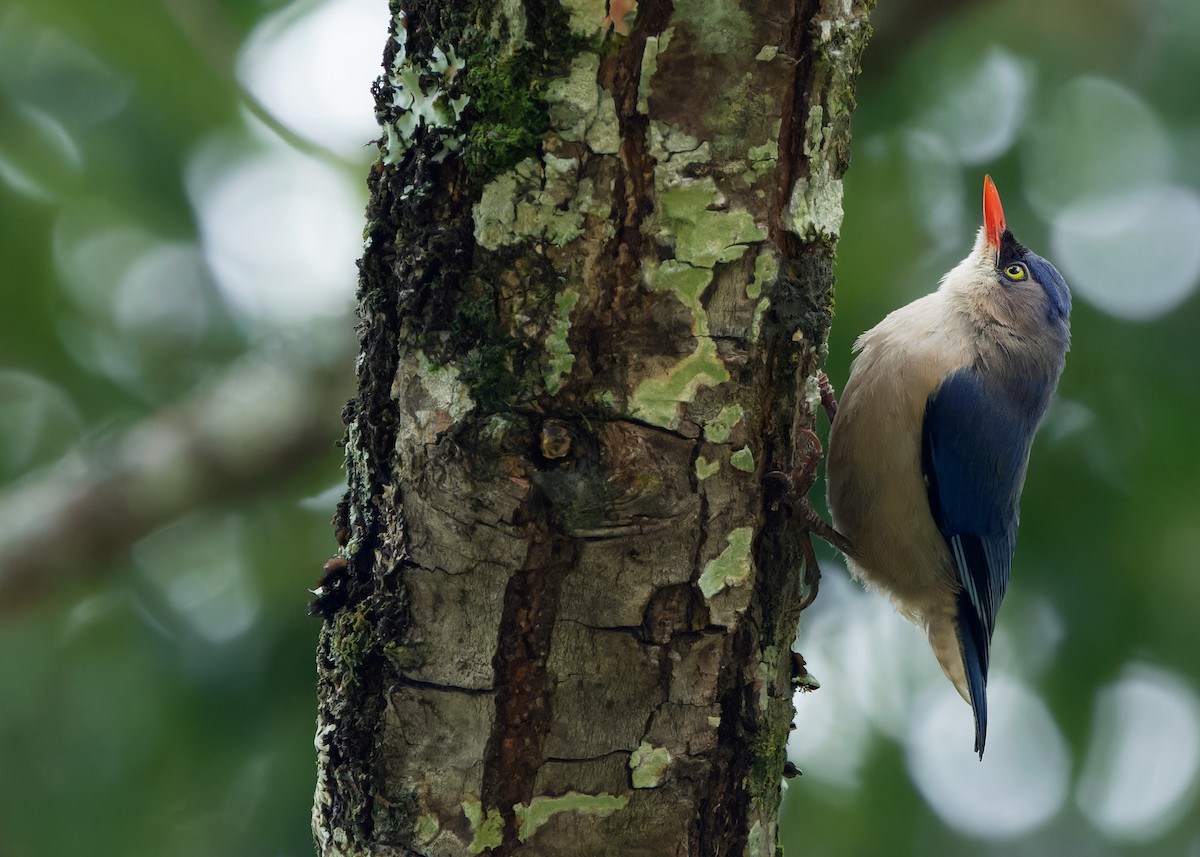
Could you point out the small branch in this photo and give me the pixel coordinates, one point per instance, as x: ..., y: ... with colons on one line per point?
x: 245, y: 432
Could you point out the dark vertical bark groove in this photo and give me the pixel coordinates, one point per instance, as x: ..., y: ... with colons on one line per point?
x: 620, y: 71
x: 796, y: 101
x: 524, y: 692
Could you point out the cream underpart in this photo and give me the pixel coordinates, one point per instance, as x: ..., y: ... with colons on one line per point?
x: 878, y: 499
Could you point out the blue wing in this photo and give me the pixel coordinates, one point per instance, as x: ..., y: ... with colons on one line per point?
x: 975, y: 446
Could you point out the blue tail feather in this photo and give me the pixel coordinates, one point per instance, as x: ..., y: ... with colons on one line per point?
x: 974, y: 640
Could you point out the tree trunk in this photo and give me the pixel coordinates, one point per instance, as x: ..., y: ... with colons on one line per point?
x: 595, y: 290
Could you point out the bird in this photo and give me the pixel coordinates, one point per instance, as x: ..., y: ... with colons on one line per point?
x: 928, y: 450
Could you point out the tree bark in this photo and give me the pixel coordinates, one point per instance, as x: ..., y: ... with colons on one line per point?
x: 595, y: 290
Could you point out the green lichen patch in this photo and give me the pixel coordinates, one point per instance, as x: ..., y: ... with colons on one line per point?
x: 717, y: 429
x: 587, y: 16
x: 743, y: 459
x: 761, y: 159
x: 739, y: 114
x: 756, y: 320
x: 648, y: 765
x: 488, y: 831
x: 706, y: 468
x: 732, y: 566
x: 656, y: 400
x: 688, y: 283
x: 561, y: 359
x: 704, y: 237
x: 542, y: 809
x: 719, y: 27
x: 754, y: 840
x: 427, y: 828
x: 768, y: 671
x: 353, y: 639
x: 582, y: 110
x: 535, y: 200
x: 654, y: 46
x: 766, y: 269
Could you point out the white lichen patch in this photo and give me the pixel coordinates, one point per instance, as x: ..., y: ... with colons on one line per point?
x: 581, y: 110
x: 812, y: 393
x: 513, y: 12
x: 322, y: 799
x: 732, y: 566
x: 432, y: 399
x: 815, y: 205
x: 755, y: 841
x: 648, y: 765
x: 421, y: 94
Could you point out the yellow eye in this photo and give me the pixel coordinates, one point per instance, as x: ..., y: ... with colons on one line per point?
x: 1016, y: 272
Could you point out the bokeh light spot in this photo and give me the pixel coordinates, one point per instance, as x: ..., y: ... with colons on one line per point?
x: 1141, y: 767
x: 1135, y: 255
x: 1095, y: 138
x: 38, y: 421
x: 198, y: 564
x: 1021, y: 782
x: 982, y: 109
x: 280, y: 231
x: 327, y: 97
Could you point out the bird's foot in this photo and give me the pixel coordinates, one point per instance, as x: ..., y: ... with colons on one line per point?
x: 797, y: 485
x: 828, y: 399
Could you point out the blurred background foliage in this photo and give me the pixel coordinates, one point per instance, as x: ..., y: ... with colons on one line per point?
x: 181, y: 192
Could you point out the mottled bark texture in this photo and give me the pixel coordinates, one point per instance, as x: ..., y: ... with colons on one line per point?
x: 595, y: 288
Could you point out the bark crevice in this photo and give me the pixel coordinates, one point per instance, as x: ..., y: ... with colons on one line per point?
x: 525, y: 690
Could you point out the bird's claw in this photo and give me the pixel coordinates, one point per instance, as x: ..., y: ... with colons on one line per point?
x: 828, y: 400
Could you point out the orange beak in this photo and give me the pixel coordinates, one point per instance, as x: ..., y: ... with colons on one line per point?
x: 993, y: 215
